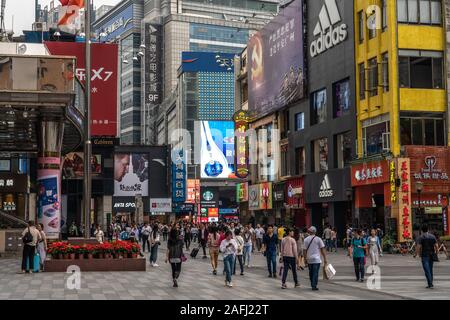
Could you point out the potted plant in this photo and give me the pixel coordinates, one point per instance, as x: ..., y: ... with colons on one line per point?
x: 70, y: 250
x: 106, y: 248
x: 55, y: 250
x: 135, y: 249
x: 80, y: 251
x: 90, y: 251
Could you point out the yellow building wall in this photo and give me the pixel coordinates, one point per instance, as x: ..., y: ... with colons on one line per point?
x: 395, y: 36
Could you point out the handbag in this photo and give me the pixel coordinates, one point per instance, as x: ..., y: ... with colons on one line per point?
x: 434, y: 257
x: 183, y: 258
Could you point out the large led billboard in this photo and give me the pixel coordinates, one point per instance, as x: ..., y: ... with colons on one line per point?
x: 276, y: 62
x: 217, y: 149
x: 131, y: 174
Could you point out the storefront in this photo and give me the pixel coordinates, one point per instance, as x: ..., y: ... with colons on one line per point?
x: 13, y: 194
x: 430, y: 186
x: 281, y: 216
x: 295, y: 203
x: 242, y: 200
x: 260, y: 202
x: 125, y: 209
x: 372, y: 183
x: 326, y: 199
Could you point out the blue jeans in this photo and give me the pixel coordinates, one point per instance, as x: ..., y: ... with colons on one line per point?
x: 314, y: 269
x: 427, y: 264
x: 154, y: 253
x: 228, y: 263
x: 247, y: 255
x: 271, y: 257
x: 359, y: 267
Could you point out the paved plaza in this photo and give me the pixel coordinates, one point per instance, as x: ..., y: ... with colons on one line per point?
x: 401, y: 278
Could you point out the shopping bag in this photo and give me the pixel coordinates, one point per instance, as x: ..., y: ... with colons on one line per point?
x: 328, y: 272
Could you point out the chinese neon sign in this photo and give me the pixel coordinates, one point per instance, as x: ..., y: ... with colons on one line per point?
x: 405, y: 202
x: 241, y: 121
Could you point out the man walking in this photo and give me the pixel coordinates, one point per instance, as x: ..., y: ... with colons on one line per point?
x: 146, y: 230
x: 259, y: 236
x: 229, y: 248
x: 270, y: 244
x: 30, y: 237
x: 314, y: 248
x: 327, y: 237
x: 427, y: 248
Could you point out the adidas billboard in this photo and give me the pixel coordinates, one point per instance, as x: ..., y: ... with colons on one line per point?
x: 327, y: 31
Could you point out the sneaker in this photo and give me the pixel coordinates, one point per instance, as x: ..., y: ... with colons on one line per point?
x: 274, y: 276
x: 430, y: 287
x: 215, y: 272
x: 362, y: 280
x: 230, y: 284
x: 155, y: 265
x: 270, y: 275
x: 151, y: 263
x: 283, y: 286
x: 315, y: 289
x: 175, y: 284
x: 204, y: 257
x: 297, y: 285
x: 242, y: 273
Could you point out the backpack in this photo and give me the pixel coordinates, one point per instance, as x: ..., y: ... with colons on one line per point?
x: 28, y: 237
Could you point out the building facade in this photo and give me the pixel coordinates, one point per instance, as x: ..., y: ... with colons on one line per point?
x: 122, y: 25
x: 401, y: 101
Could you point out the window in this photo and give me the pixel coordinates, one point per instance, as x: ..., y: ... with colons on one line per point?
x: 361, y: 26
x: 376, y: 138
x: 319, y: 107
x: 284, y: 161
x: 385, y: 71
x: 362, y: 81
x: 421, y: 69
x: 419, y: 11
x: 300, y: 161
x: 320, y: 155
x: 372, y: 22
x: 416, y: 129
x: 299, y: 121
x: 384, y: 15
x: 373, y: 77
x: 343, y: 143
x: 341, y: 98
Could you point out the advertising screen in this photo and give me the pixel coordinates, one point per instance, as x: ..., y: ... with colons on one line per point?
x: 276, y: 62
x: 131, y: 174
x: 217, y: 149
x: 73, y: 166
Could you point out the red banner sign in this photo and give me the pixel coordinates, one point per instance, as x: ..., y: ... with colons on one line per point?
x: 103, y: 81
x: 404, y: 197
x: 370, y: 173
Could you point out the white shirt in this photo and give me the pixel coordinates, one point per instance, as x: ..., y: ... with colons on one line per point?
x: 259, y: 233
x: 231, y: 250
x: 99, y: 235
x: 313, y: 253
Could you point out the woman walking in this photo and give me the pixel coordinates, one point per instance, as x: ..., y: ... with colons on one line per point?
x: 248, y: 242
x: 175, y: 254
x: 187, y: 236
x: 374, y: 248
x: 334, y: 240
x: 288, y: 256
x: 229, y: 248
x: 154, y: 243
x: 42, y: 245
x: 213, y: 245
x: 240, y: 251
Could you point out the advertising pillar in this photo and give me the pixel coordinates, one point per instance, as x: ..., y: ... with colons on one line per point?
x: 49, y: 178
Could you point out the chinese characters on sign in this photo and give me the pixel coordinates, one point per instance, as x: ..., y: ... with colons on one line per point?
x: 153, y: 64
x: 431, y: 172
x: 280, y: 37
x: 179, y: 177
x: 241, y: 120
x: 369, y: 173
x: 404, y: 195
x: 392, y: 181
x: 7, y: 183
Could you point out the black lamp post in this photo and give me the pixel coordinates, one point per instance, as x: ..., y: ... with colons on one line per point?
x: 419, y: 188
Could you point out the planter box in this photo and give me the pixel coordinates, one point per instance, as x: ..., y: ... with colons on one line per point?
x: 85, y: 265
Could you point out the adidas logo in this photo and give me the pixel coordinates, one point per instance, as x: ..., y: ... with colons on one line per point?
x: 329, y: 36
x: 325, y: 188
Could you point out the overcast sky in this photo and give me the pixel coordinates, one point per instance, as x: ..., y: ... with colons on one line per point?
x: 23, y: 12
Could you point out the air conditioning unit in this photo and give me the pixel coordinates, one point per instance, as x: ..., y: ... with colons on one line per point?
x: 40, y: 26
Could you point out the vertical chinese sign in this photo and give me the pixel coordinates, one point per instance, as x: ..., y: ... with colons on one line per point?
x: 392, y: 177
x: 178, y: 177
x: 445, y: 216
x: 241, y: 121
x: 152, y: 65
x: 404, y: 198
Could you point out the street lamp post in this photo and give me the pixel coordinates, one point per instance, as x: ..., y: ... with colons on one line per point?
x: 419, y: 189
x: 87, y: 122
